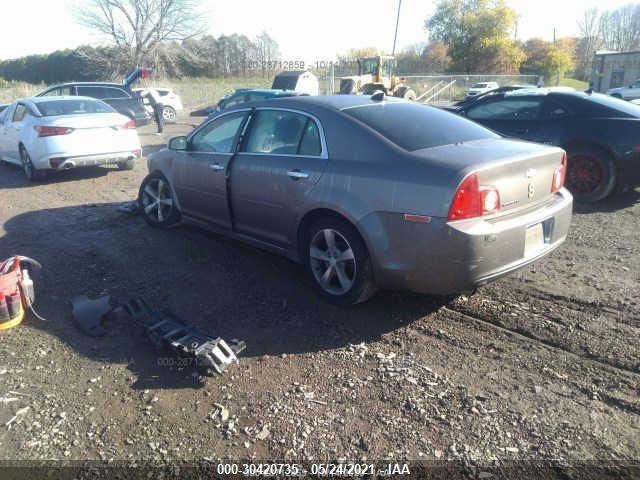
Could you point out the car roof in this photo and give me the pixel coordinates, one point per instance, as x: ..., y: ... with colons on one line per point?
x: 332, y: 102
x: 88, y: 84
x: 274, y: 91
x: 539, y: 91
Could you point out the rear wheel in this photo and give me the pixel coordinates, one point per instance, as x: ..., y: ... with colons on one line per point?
x: 338, y: 263
x: 168, y: 113
x: 405, y: 92
x: 30, y: 171
x: 591, y: 174
x: 156, y: 201
x: 127, y: 164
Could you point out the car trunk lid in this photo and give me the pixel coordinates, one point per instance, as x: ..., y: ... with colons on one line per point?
x: 521, y: 172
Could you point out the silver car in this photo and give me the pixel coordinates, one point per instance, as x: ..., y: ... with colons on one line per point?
x: 366, y: 192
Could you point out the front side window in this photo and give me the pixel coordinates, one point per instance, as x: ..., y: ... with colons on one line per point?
x: 284, y: 133
x: 506, y: 109
x: 218, y: 136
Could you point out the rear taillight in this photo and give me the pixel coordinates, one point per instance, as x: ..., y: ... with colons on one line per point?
x: 129, y: 125
x: 472, y: 200
x: 51, y: 131
x: 559, y: 175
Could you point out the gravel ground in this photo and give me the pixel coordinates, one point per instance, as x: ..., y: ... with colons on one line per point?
x: 541, y: 366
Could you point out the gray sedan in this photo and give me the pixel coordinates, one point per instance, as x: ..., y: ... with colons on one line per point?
x: 366, y: 192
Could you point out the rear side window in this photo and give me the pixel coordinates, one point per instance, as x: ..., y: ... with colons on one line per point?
x: 282, y: 132
x: 506, y: 109
x: 19, y: 113
x: 72, y: 107
x: 413, y: 126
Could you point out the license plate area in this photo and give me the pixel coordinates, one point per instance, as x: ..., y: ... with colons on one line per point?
x: 534, y: 240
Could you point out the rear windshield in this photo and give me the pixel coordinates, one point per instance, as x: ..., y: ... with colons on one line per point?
x: 72, y: 106
x: 413, y: 126
x: 599, y: 104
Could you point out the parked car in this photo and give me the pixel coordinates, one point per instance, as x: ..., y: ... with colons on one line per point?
x: 243, y: 95
x: 457, y: 106
x: 366, y: 192
x: 599, y: 133
x: 480, y: 87
x: 119, y: 96
x: 631, y: 92
x: 171, y: 103
x: 59, y: 133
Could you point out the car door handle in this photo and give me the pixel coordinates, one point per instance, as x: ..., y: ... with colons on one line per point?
x: 297, y: 174
x: 216, y: 167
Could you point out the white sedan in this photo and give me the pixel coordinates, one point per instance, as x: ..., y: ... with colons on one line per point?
x: 171, y: 103
x: 59, y: 133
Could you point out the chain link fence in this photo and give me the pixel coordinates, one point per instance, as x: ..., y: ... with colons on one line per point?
x: 431, y: 88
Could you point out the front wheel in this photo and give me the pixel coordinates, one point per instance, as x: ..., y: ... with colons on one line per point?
x: 32, y: 174
x: 338, y: 262
x: 156, y: 201
x: 591, y: 174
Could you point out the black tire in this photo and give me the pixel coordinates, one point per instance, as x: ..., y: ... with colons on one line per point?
x: 32, y: 174
x: 405, y: 92
x: 127, y: 164
x: 591, y: 174
x: 359, y: 270
x: 168, y: 216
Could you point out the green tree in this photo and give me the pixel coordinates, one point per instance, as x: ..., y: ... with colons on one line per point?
x: 557, y: 63
x: 478, y: 34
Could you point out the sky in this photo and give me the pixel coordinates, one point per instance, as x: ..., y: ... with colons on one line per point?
x: 312, y: 31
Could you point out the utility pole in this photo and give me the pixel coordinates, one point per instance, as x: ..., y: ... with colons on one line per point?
x: 554, y: 36
x: 395, y: 36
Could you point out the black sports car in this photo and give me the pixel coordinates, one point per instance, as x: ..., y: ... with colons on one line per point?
x: 601, y: 134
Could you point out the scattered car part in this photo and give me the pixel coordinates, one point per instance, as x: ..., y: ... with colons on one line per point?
x: 129, y: 207
x: 17, y: 291
x: 166, y: 330
x: 88, y: 314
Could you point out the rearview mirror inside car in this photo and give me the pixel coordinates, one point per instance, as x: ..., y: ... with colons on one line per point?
x: 178, y: 143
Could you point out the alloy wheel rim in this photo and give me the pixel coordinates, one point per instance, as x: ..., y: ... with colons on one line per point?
x: 332, y: 261
x: 157, y: 201
x: 585, y: 174
x: 168, y: 113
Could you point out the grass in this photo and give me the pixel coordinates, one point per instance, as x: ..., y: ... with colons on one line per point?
x: 573, y: 83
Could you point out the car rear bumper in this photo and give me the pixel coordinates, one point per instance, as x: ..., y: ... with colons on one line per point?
x: 65, y: 162
x: 444, y: 258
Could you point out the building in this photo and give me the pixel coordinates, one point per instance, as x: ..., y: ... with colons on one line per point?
x: 614, y: 69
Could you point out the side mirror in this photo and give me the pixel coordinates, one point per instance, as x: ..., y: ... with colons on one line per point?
x: 178, y: 143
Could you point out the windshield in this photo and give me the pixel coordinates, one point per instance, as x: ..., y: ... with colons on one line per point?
x: 369, y: 66
x: 610, y: 104
x: 79, y: 106
x: 413, y: 126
